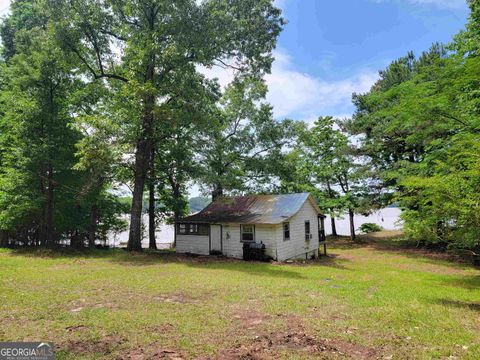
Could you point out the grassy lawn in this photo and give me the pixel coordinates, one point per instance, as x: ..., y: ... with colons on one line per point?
x: 372, y: 300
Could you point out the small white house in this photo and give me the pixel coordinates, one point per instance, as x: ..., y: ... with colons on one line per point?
x: 290, y: 226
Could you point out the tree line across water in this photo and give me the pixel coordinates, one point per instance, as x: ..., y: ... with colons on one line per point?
x: 101, y: 95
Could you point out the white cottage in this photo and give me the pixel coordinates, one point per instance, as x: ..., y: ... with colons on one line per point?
x: 290, y: 226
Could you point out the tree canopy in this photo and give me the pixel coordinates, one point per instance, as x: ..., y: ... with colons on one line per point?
x: 98, y: 96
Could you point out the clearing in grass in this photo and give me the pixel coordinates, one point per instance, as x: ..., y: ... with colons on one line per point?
x: 371, y: 300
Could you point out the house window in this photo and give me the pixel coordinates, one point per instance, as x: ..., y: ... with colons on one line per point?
x: 286, y: 231
x: 193, y: 229
x: 308, y: 235
x: 182, y: 229
x: 247, y: 232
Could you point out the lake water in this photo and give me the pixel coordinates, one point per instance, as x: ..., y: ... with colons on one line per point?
x: 164, y: 236
x: 387, y: 218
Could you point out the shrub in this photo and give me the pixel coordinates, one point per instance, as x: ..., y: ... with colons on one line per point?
x: 370, y: 227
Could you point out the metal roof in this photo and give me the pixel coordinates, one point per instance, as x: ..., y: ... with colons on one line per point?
x: 252, y: 209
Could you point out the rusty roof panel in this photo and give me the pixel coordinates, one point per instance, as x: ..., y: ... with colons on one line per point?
x: 251, y: 209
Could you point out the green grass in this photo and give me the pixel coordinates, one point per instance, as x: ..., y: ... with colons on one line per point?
x: 369, y: 300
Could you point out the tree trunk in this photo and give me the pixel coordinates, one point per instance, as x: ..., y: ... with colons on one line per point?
x: 3, y: 238
x: 77, y: 241
x: 142, y: 160
x: 42, y: 233
x: 143, y: 151
x: 141, y: 165
x: 49, y: 227
x: 334, y: 226
x: 151, y: 217
x: 352, y: 224
x: 217, y: 192
x: 151, y: 204
x: 93, y: 226
x: 177, y: 211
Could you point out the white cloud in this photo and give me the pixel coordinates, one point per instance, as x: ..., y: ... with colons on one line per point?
x: 224, y: 76
x: 296, y: 94
x: 4, y: 5
x: 300, y: 95
x: 280, y: 3
x: 448, y: 4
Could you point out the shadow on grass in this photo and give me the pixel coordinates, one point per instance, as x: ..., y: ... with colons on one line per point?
x: 394, y: 242
x: 65, y: 253
x: 154, y: 258
x: 276, y: 269
x: 331, y: 260
x: 383, y: 240
x: 467, y: 282
x: 459, y: 304
x: 205, y: 262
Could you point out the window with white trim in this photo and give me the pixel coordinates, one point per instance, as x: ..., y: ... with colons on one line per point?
x: 308, y: 234
x: 193, y: 229
x: 247, y: 232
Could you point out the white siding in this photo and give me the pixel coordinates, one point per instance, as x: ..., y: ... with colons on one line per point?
x: 193, y: 244
x: 233, y: 247
x: 270, y: 235
x: 267, y: 235
x: 297, y: 247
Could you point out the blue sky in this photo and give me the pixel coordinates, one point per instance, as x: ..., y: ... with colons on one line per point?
x: 331, y: 48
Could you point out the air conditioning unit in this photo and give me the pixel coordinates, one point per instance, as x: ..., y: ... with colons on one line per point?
x: 308, y: 237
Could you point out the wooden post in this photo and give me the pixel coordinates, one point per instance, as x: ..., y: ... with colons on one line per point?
x: 3, y: 238
x: 321, y: 233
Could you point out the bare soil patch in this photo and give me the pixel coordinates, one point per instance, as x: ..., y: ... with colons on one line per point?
x: 176, y: 298
x: 250, y: 319
x: 76, y: 328
x: 141, y: 354
x: 105, y: 346
x: 81, y: 304
x: 291, y: 338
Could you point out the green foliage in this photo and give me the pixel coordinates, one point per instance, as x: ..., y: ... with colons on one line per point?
x: 419, y: 127
x: 51, y: 174
x: 323, y: 163
x: 242, y: 141
x: 95, y: 94
x: 443, y: 206
x: 370, y: 227
x: 158, y: 98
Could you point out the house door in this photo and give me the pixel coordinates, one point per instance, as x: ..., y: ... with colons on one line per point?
x: 216, y: 237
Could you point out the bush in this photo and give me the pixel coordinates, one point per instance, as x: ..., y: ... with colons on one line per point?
x: 370, y: 227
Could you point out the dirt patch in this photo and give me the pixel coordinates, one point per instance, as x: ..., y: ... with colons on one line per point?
x: 292, y: 338
x: 141, y: 354
x: 75, y: 328
x: 104, y: 346
x: 176, y: 298
x: 351, y: 350
x: 81, y: 304
x: 251, y: 318
x: 163, y: 328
